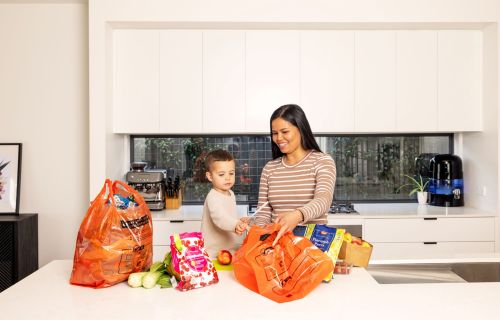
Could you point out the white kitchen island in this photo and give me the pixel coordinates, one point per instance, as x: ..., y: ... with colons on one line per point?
x: 47, y: 294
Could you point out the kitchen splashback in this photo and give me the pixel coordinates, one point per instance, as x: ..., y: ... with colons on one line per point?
x: 369, y: 167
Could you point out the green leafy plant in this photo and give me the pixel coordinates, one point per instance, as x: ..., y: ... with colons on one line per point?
x: 418, y: 185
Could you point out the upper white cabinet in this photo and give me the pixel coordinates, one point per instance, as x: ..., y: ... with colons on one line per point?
x: 223, y: 81
x: 375, y: 81
x: 272, y: 75
x: 230, y: 81
x: 135, y: 81
x: 181, y: 81
x: 416, y: 81
x: 327, y: 79
x: 460, y: 80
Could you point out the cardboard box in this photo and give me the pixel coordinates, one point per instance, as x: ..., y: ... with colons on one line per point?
x: 355, y: 254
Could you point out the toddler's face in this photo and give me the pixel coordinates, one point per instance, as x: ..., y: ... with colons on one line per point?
x: 222, y: 175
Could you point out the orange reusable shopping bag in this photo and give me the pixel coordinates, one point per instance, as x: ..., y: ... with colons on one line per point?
x: 288, y: 271
x: 115, y: 238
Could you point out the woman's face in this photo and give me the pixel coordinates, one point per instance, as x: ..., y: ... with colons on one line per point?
x: 286, y: 136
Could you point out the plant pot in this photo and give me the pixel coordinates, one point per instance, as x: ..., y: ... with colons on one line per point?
x: 422, y: 197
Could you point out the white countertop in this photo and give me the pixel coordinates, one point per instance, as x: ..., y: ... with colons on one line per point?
x: 366, y: 211
x: 47, y: 294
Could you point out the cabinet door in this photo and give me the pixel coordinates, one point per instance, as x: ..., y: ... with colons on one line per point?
x: 164, y: 229
x: 135, y: 85
x: 420, y: 250
x: 375, y: 82
x: 327, y: 80
x: 430, y: 229
x: 460, y: 80
x: 180, y: 81
x: 272, y: 75
x: 223, y: 81
x: 416, y: 87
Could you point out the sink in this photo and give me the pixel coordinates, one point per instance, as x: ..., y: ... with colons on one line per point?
x: 436, y: 272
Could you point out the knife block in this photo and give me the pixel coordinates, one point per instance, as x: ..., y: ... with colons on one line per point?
x: 173, y: 203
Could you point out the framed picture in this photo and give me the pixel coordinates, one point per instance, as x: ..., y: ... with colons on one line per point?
x: 10, y: 177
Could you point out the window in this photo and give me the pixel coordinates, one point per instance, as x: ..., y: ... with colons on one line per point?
x: 369, y: 167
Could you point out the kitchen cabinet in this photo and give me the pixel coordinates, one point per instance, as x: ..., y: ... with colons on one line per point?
x: 230, y: 81
x: 327, y: 79
x: 375, y: 81
x: 223, y: 81
x: 180, y: 81
x: 163, y: 230
x: 416, y: 85
x: 460, y: 80
x: 18, y: 248
x: 135, y: 81
x: 400, y: 238
x: 272, y: 75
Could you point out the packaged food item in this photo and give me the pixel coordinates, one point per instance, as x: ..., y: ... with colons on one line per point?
x: 114, y: 239
x: 328, y: 239
x: 342, y: 267
x: 284, y: 272
x: 191, y: 261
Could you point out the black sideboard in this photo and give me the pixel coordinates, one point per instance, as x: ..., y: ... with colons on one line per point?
x: 18, y: 248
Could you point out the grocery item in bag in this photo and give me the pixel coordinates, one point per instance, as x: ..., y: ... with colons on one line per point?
x: 284, y: 272
x: 191, y: 261
x: 328, y: 239
x: 114, y: 239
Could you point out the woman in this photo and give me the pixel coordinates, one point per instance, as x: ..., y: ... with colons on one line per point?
x: 297, y: 185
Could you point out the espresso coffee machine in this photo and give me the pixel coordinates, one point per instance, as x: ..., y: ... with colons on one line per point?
x: 149, y: 184
x: 446, y: 186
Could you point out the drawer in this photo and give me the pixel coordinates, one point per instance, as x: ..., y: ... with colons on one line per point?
x: 162, y: 230
x: 159, y: 252
x: 435, y: 250
x: 429, y: 229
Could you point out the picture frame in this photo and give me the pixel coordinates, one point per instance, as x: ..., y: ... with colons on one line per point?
x: 10, y: 178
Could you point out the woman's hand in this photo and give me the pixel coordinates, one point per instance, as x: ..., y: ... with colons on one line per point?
x: 288, y: 222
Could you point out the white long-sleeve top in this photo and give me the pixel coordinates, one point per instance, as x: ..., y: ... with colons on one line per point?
x: 218, y: 223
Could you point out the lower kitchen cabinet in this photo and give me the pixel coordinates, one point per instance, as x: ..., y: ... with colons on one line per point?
x: 18, y: 248
x: 162, y: 229
x: 414, y: 238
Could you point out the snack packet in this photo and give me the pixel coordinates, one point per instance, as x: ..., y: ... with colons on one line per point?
x: 328, y: 239
x: 191, y: 261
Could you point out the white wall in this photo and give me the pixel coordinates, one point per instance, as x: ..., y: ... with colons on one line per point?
x: 44, y: 105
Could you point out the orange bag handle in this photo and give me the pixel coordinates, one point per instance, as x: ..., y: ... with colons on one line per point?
x: 107, y: 186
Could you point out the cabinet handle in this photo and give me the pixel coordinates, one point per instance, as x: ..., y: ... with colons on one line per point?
x: 430, y: 218
x: 430, y: 242
x: 176, y: 221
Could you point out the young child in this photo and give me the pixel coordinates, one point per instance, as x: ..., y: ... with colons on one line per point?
x: 220, y: 224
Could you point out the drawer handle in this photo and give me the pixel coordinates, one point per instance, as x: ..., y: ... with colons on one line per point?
x: 430, y: 218
x: 430, y: 242
x: 176, y: 221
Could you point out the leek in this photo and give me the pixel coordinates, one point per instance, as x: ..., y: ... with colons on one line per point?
x: 135, y: 279
x: 157, y: 266
x: 150, y: 279
x: 164, y: 281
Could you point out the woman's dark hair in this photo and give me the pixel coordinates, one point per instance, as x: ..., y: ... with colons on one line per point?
x: 296, y: 116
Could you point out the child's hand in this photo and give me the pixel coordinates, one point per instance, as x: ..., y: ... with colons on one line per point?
x: 240, y: 227
x: 245, y: 219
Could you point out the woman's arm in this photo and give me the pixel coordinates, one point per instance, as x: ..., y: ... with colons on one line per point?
x: 263, y: 217
x: 326, y: 172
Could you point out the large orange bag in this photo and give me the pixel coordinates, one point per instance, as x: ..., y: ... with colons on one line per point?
x: 286, y: 272
x: 114, y: 240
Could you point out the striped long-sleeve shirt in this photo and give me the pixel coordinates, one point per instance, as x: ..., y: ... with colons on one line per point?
x: 306, y: 186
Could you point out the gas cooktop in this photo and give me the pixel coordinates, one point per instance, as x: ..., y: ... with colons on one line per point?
x: 342, y: 208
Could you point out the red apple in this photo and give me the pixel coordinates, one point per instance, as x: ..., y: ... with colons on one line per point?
x: 224, y: 257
